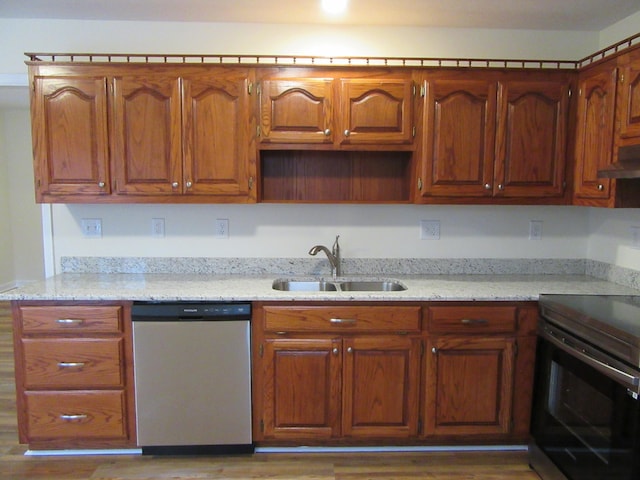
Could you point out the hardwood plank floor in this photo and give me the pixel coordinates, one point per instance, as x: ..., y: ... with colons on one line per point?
x: 262, y: 466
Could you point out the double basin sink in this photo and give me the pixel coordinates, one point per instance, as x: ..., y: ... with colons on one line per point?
x: 339, y: 285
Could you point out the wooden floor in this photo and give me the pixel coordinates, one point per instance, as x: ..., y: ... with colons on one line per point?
x: 276, y: 466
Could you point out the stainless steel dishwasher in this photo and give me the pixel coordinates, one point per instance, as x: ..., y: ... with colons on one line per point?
x: 192, y: 377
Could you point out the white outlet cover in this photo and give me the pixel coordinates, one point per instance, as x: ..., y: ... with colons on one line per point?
x: 221, y: 228
x: 91, y: 227
x: 430, y: 229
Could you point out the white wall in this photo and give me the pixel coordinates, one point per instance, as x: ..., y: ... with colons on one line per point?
x: 22, y: 230
x: 619, y: 31
x: 289, y: 230
x: 6, y: 239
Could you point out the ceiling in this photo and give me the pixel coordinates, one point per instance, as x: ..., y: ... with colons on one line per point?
x: 589, y: 15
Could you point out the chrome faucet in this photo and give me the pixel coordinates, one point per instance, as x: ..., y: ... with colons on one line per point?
x: 333, y: 256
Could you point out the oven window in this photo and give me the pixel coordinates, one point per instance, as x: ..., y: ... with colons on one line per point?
x: 586, y: 423
x: 581, y: 409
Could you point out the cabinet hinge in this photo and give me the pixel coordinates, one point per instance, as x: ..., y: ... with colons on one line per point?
x: 250, y: 183
x: 261, y: 350
x: 420, y: 184
x: 570, y: 93
x: 622, y: 78
x: 423, y: 90
x: 413, y: 131
x: 250, y: 88
x: 413, y: 89
x: 258, y: 89
x: 258, y: 133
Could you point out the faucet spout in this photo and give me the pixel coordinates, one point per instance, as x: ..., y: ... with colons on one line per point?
x: 333, y: 256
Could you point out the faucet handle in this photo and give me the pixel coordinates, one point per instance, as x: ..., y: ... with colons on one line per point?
x: 336, y: 245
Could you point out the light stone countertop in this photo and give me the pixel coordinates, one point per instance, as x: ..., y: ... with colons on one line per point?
x: 189, y: 287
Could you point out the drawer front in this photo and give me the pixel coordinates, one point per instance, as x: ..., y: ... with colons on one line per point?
x: 73, y: 363
x: 76, y: 415
x: 342, y: 319
x: 69, y: 319
x: 472, y: 319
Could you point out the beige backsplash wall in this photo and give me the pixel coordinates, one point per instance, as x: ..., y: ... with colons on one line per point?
x: 289, y: 230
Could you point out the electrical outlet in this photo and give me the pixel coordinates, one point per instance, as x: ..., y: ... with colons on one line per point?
x: 221, y: 228
x: 535, y: 230
x: 635, y: 236
x: 157, y: 227
x: 91, y: 227
x: 429, y: 229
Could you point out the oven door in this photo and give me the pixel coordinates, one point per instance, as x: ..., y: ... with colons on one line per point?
x: 586, y: 413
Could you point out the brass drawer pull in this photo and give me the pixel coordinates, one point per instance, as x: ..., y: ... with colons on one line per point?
x: 343, y: 321
x: 73, y: 417
x: 69, y: 321
x: 71, y: 364
x: 474, y: 321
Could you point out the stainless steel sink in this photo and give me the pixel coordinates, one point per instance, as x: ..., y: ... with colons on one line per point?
x: 344, y: 285
x: 304, y: 286
x: 372, y: 286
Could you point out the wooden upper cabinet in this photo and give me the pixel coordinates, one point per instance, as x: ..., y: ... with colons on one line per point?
x: 630, y: 96
x: 459, y: 126
x: 325, y: 108
x: 216, y: 134
x: 71, y: 151
x: 376, y: 111
x: 147, y: 136
x: 531, y: 137
x: 296, y: 110
x: 594, y: 133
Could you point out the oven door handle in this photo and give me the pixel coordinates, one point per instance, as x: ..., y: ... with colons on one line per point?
x: 611, y: 372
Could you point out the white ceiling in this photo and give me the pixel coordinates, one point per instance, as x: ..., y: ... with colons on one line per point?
x: 513, y: 14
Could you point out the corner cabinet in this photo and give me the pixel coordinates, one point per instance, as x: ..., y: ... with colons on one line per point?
x: 510, y: 144
x: 137, y: 133
x: 74, y: 375
x: 334, y: 373
x: 595, y: 133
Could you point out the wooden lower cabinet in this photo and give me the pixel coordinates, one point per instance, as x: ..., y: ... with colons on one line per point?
x: 74, y: 375
x: 431, y: 373
x: 469, y: 385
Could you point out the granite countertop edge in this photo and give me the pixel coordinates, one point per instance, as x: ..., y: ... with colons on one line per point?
x: 194, y: 287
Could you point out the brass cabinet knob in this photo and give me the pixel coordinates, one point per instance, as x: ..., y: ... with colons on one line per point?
x: 189, y: 184
x: 487, y: 186
x: 327, y: 132
x: 175, y: 184
x: 600, y: 187
x: 101, y: 184
x: 347, y: 133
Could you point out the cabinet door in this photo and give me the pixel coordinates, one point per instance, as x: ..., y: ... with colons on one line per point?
x: 376, y: 111
x: 594, y: 131
x: 216, y: 122
x: 147, y: 135
x: 296, y: 110
x: 380, y: 386
x: 70, y: 136
x: 469, y: 385
x: 630, y: 97
x: 531, y: 138
x: 301, y: 391
x: 459, y: 138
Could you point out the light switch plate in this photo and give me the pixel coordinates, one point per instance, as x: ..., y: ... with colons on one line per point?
x: 157, y: 227
x: 535, y: 230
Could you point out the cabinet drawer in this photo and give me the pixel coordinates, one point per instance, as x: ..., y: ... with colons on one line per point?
x: 472, y: 319
x: 67, y: 319
x: 76, y: 415
x: 73, y: 363
x: 341, y: 319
